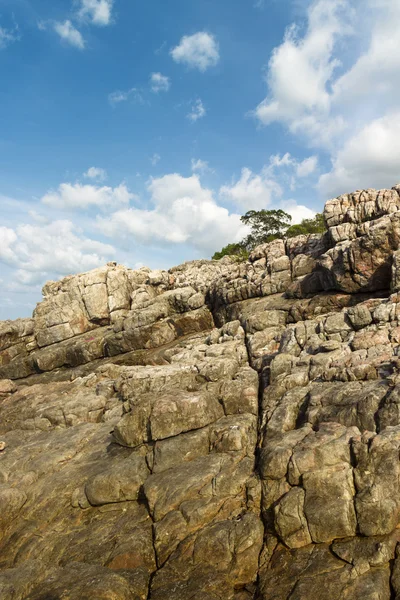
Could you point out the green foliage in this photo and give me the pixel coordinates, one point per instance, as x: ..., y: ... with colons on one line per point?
x: 315, y: 225
x: 269, y: 225
x: 266, y: 225
x: 238, y: 250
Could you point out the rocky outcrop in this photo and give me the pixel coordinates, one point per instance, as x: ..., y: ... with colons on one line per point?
x: 223, y: 431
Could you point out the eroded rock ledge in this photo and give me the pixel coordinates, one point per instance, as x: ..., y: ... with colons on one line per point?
x: 221, y: 431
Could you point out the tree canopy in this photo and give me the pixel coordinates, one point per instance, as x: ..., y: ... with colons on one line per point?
x: 238, y: 250
x: 315, y: 225
x: 269, y: 225
x: 266, y: 225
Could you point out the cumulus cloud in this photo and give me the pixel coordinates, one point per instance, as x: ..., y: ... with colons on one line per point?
x: 55, y: 249
x: 184, y: 212
x: 370, y: 158
x: 98, y: 12
x: 276, y: 160
x: 298, y: 212
x: 301, y: 69
x: 307, y: 166
x: 82, y: 197
x: 251, y: 191
x: 350, y: 111
x: 375, y: 73
x: 266, y: 190
x: 7, y: 239
x: 96, y: 173
x: 199, y: 51
x: 197, y: 111
x: 365, y: 95
x: 69, y: 34
x: 302, y: 168
x: 291, y: 171
x: 159, y: 83
x: 155, y: 159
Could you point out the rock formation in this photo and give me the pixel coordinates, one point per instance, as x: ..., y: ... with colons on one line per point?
x: 222, y: 431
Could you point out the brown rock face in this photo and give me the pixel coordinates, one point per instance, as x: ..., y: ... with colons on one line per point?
x: 220, y: 431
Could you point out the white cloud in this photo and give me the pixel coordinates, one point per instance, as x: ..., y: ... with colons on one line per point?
x: 276, y: 160
x: 267, y: 189
x: 370, y: 158
x: 301, y: 69
x: 155, y: 159
x: 251, y: 191
x: 298, y: 212
x: 122, y: 96
x: 290, y: 169
x: 96, y: 173
x: 99, y: 12
x: 197, y: 112
x: 77, y: 196
x: 159, y: 83
x: 118, y: 96
x: 375, y: 73
x: 201, y: 166
x: 199, y: 51
x: 69, y: 34
x: 184, y: 212
x: 8, y: 36
x: 160, y: 49
x: 307, y: 166
x: 303, y: 168
x: 37, y: 217
x: 7, y: 239
x: 352, y: 111
x: 37, y: 251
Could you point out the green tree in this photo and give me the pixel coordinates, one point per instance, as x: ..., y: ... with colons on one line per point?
x: 238, y: 250
x: 315, y: 225
x: 266, y: 225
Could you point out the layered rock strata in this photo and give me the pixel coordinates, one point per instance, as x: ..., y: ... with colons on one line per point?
x: 221, y: 431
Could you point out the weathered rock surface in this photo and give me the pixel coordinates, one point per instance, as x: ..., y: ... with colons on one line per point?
x: 221, y: 431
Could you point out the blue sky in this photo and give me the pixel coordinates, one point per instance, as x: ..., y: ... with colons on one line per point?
x: 141, y: 131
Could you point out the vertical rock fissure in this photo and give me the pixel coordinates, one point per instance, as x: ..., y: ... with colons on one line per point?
x: 257, y: 450
x: 393, y: 594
